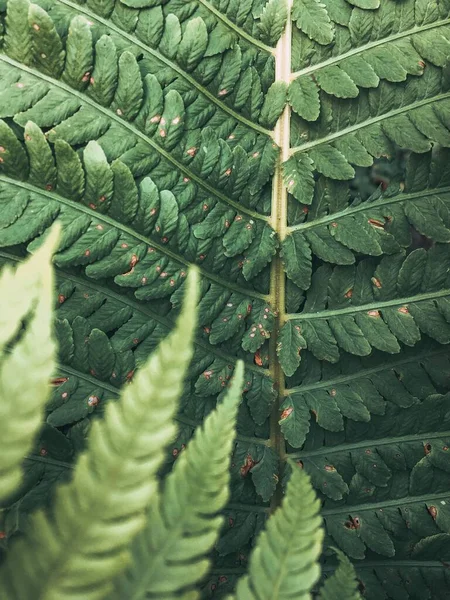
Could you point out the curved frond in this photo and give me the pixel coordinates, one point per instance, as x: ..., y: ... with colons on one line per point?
x: 369, y: 47
x: 343, y: 583
x: 170, y: 555
x: 25, y: 295
x: 101, y: 509
x: 285, y: 560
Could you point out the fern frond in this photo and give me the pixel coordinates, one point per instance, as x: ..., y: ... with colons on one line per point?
x: 361, y: 390
x: 143, y: 127
x: 103, y: 194
x: 130, y: 242
x: 387, y: 44
x: 423, y: 577
x: 391, y: 473
x: 357, y: 309
x: 381, y: 83
x: 170, y: 555
x: 337, y: 230
x: 25, y: 294
x: 342, y: 584
x: 285, y: 559
x: 101, y: 509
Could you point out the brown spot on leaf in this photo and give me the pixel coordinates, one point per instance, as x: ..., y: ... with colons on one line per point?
x: 376, y: 282
x: 376, y: 223
x: 286, y: 412
x: 249, y: 463
x: 433, y: 512
x: 58, y: 380
x: 93, y: 400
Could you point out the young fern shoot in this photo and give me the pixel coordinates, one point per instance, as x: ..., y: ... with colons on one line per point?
x: 76, y: 549
x: 25, y: 371
x: 171, y: 555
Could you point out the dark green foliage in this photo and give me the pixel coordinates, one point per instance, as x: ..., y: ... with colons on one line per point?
x: 144, y: 127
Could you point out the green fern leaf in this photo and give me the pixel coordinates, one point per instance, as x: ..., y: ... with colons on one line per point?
x: 292, y: 539
x: 134, y: 466
x: 26, y: 294
x: 343, y: 583
x: 181, y: 523
x: 273, y: 20
x: 150, y: 145
x: 312, y: 18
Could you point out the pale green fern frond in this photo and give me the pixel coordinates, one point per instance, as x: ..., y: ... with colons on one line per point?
x: 170, y: 555
x: 284, y: 563
x: 96, y: 515
x: 25, y: 295
x: 342, y: 585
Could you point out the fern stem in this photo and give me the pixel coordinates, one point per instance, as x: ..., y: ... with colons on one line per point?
x: 392, y: 564
x: 343, y: 132
x: 240, y: 32
x: 129, y: 231
x: 49, y: 461
x: 353, y: 509
x: 112, y: 116
x: 166, y: 61
x: 364, y: 372
x: 361, y: 49
x: 368, y: 205
x: 326, y: 314
x: 416, y: 437
x: 279, y: 224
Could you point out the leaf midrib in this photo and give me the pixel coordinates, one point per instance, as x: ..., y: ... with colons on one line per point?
x: 393, y: 564
x: 138, y: 308
x: 365, y: 372
x: 84, y: 99
x: 134, y: 40
x: 343, y: 132
x: 366, y: 564
x: 361, y: 49
x: 326, y: 314
x: 134, y: 234
x: 352, y: 508
x: 371, y: 443
x: 394, y: 503
x: 238, y: 30
x: 368, y: 205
